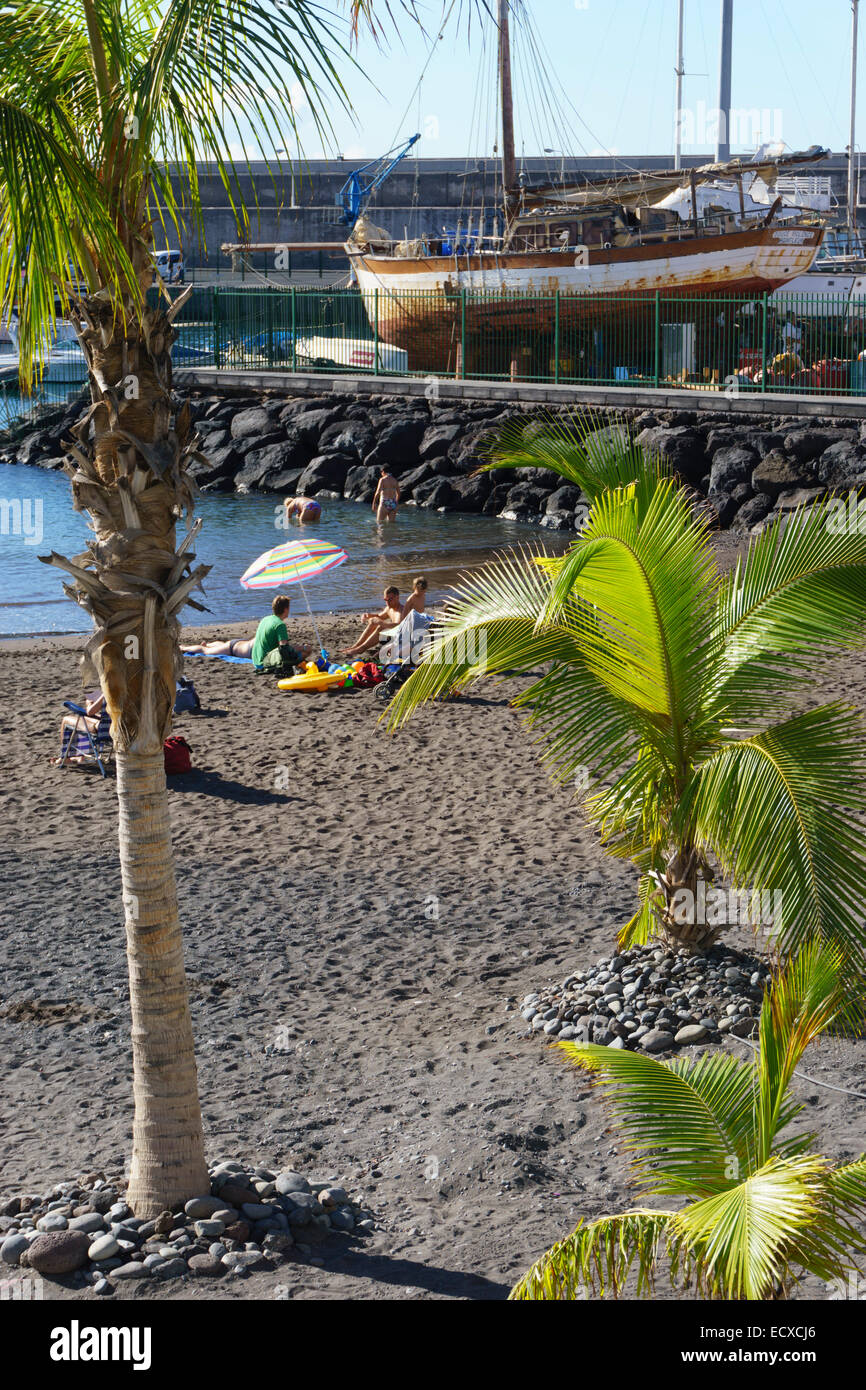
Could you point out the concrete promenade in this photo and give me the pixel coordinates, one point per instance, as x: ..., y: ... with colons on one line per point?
x: 735, y: 404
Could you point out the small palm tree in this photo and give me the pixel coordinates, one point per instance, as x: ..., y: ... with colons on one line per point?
x: 673, y: 695
x: 763, y: 1208
x: 105, y: 109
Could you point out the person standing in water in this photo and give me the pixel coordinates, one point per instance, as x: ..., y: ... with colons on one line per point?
x: 386, y: 497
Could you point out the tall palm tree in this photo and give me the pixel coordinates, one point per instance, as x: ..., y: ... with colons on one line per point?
x: 105, y: 108
x: 763, y: 1208
x: 676, y: 694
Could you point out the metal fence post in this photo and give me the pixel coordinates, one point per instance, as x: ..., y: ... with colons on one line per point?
x: 376, y: 332
x: 269, y: 301
x: 656, y: 335
x: 462, y: 335
x: 294, y: 331
x: 217, y: 351
x: 556, y: 340
x: 764, y: 344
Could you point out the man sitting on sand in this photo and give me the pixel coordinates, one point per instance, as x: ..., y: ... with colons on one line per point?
x: 418, y: 597
x: 306, y: 510
x: 376, y: 622
x: 270, y: 633
x: 386, y: 497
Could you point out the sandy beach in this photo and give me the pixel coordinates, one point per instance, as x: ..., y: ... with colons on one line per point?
x: 363, y: 914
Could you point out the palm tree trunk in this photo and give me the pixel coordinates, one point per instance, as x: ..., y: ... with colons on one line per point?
x: 168, y: 1161
x: 128, y: 468
x: 679, y: 904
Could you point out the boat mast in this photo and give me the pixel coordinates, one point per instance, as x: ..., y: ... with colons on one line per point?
x: 509, y: 163
x: 678, y: 128
x: 852, y: 179
x: 723, y: 139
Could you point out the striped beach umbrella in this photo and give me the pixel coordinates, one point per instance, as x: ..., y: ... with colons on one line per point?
x: 292, y: 563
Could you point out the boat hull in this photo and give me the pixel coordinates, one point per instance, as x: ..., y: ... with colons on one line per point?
x: 437, y: 307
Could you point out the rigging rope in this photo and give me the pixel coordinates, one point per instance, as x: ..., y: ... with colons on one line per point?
x: 813, y: 1080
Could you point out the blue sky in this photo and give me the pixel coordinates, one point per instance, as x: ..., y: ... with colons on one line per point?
x: 614, y: 60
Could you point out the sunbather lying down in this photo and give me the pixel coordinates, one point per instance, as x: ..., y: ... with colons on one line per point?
x: 270, y: 633
x: 388, y: 617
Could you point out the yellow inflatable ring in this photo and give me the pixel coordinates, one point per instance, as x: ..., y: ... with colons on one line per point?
x: 313, y: 680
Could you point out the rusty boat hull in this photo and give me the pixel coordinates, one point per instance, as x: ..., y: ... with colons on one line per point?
x: 444, y: 309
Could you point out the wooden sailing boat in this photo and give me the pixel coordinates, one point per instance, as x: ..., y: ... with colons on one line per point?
x: 570, y: 252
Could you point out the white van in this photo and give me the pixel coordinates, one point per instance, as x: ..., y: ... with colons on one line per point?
x: 169, y: 264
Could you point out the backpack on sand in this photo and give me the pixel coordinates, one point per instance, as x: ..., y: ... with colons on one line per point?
x: 176, y: 752
x: 281, y: 661
x: 186, y: 697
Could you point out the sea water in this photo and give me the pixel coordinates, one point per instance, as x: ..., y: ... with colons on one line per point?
x: 36, y: 517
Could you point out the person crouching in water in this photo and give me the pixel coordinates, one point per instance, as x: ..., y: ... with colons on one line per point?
x: 306, y: 510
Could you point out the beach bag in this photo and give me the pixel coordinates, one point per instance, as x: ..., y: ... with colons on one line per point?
x: 368, y: 675
x: 186, y: 697
x: 281, y: 661
x: 177, y: 752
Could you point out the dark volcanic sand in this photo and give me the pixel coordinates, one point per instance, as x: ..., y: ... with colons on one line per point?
x: 373, y: 920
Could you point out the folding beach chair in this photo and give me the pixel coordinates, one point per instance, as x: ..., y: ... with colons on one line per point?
x: 87, y: 746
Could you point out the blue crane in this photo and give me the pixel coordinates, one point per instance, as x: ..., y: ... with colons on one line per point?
x: 354, y: 192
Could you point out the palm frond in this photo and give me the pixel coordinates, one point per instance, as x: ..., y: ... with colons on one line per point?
x: 647, y: 580
x: 486, y: 629
x: 797, y: 598
x: 671, y: 1111
x: 598, y: 1258
x: 592, y: 459
x: 802, y: 1002
x: 769, y: 808
x: 741, y: 1239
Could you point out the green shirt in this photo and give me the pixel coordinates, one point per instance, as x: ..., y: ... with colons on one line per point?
x: 269, y: 634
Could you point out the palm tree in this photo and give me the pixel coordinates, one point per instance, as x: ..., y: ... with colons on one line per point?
x: 104, y: 110
x: 664, y: 686
x: 763, y: 1208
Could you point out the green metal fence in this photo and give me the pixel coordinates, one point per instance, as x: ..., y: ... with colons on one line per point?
x: 806, y: 344
x: 813, y: 345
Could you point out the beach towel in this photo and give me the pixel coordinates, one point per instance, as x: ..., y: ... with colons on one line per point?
x: 238, y: 660
x: 408, y: 640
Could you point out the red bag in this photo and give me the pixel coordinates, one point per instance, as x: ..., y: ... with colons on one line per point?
x: 177, y: 755
x: 368, y: 675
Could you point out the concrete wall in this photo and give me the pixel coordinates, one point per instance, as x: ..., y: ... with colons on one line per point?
x: 420, y: 196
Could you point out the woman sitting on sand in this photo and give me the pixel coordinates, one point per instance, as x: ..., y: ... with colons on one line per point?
x: 303, y: 509
x: 416, y: 600
x: 270, y: 633
x: 76, y: 722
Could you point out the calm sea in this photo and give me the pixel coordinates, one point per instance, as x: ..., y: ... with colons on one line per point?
x: 36, y: 517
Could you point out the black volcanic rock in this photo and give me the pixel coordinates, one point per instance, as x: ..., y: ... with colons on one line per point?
x: 325, y: 472
x: 681, y: 448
